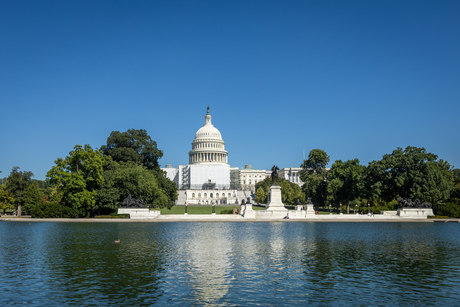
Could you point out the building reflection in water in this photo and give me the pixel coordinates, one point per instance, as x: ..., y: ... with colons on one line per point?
x: 206, y: 252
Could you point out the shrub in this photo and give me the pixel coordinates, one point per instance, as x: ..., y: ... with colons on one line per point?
x: 226, y: 211
x: 52, y: 210
x: 450, y: 209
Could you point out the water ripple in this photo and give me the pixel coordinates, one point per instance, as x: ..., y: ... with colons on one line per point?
x: 229, y: 264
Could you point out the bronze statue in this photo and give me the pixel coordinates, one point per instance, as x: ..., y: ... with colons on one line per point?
x: 408, y: 203
x: 275, y: 176
x: 130, y: 202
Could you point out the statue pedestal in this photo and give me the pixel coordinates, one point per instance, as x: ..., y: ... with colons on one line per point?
x: 275, y: 207
x: 310, y: 210
x: 249, y: 212
x: 139, y: 213
x: 415, y: 212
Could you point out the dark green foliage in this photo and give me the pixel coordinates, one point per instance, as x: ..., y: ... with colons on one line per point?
x: 450, y: 209
x: 412, y: 173
x: 128, y: 177
x: 33, y: 196
x: 133, y: 146
x: 77, y: 177
x: 16, y: 183
x: 315, y: 176
x: 53, y: 210
x: 131, y: 166
x: 226, y: 211
x: 456, y: 179
x: 346, y: 182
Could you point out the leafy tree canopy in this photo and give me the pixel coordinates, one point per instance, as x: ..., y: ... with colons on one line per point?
x: 346, y: 181
x: 128, y: 177
x: 412, y: 172
x: 314, y: 175
x: 16, y: 184
x: 33, y: 196
x: 133, y: 145
x: 6, y: 198
x: 78, y: 176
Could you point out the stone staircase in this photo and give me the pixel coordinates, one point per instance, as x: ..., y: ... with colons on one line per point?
x: 181, y: 198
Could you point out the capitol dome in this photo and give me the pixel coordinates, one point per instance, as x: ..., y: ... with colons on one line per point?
x: 208, y: 130
x: 208, y: 146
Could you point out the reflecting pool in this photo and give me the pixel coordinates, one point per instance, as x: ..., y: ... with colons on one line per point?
x: 229, y: 264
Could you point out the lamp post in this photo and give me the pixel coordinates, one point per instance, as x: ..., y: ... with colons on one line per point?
x: 185, y: 209
x: 368, y: 208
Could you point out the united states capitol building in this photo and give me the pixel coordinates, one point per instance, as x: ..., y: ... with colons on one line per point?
x: 208, y: 178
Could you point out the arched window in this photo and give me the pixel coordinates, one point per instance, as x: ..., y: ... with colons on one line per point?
x: 193, y: 195
x: 217, y: 195
x: 205, y: 195
x: 210, y: 195
x: 229, y: 195
x: 199, y: 195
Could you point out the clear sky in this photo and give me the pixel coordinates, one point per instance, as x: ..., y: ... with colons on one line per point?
x: 354, y: 78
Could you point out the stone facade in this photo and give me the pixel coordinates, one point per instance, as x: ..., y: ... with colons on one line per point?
x: 211, y: 197
x: 291, y: 174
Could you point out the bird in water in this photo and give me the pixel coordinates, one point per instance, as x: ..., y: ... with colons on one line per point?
x: 117, y: 241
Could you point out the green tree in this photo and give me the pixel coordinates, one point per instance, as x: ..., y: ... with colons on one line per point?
x: 261, y: 196
x: 347, y: 181
x: 133, y: 145
x: 137, y: 146
x: 315, y: 176
x: 16, y: 183
x: 126, y: 178
x: 33, y: 195
x: 410, y: 173
x: 78, y: 176
x: 456, y: 182
x: 6, y: 198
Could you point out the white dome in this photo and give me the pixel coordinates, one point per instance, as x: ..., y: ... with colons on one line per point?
x: 208, y: 146
x: 208, y: 130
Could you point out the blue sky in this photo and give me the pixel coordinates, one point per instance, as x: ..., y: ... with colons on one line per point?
x: 355, y: 78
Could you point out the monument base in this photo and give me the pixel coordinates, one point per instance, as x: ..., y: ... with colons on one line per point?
x: 249, y: 213
x: 415, y: 212
x: 275, y: 207
x: 310, y: 210
x: 139, y: 213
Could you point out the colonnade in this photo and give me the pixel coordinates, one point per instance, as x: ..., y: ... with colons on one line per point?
x: 208, y: 157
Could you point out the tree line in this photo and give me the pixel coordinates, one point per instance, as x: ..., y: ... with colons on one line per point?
x: 409, y: 173
x: 91, y: 181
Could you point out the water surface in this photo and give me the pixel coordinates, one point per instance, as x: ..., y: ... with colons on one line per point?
x: 230, y: 264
